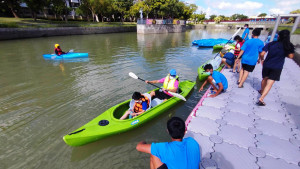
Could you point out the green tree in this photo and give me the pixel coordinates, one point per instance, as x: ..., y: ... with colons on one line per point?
x: 59, y: 8
x: 238, y: 17
x: 212, y: 17
x: 222, y: 17
x: 83, y: 10
x: 122, y: 7
x: 12, y: 5
x: 262, y: 15
x: 218, y: 19
x: 295, y: 11
x: 35, y: 6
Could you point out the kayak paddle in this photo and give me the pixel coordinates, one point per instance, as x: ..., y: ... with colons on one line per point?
x: 230, y: 39
x: 172, y: 93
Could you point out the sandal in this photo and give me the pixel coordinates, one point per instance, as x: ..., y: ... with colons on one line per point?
x: 237, y: 82
x: 260, y: 103
x: 241, y: 86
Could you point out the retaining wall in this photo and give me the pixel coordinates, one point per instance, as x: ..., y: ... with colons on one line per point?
x: 149, y: 29
x: 20, y: 33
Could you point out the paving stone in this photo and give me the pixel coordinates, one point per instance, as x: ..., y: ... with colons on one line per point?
x: 238, y: 119
x: 295, y: 141
x: 274, y: 129
x: 209, y: 112
x: 230, y: 156
x: 224, y: 96
x: 240, y: 108
x: 278, y: 148
x: 216, y: 139
x: 203, y: 126
x: 253, y: 116
x: 290, y: 125
x: 242, y: 99
x: 272, y: 163
x: 206, y: 146
x: 221, y: 122
x: 214, y: 102
x: 273, y: 105
x: 272, y: 115
x: 288, y: 100
x: 236, y: 135
x: 253, y: 130
x: 208, y: 163
x: 257, y: 152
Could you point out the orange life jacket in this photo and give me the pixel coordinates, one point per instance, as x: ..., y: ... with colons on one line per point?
x: 138, y: 107
x: 236, y: 53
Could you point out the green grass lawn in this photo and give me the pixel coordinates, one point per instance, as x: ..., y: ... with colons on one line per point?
x: 6, y: 22
x: 297, y: 31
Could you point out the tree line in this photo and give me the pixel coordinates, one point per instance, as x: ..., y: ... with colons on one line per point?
x: 105, y: 10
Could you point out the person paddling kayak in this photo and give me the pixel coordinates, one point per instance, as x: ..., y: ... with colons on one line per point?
x: 57, y: 50
x: 140, y: 105
x: 170, y: 83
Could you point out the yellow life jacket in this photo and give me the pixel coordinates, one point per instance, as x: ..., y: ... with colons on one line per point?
x: 169, y: 83
x: 138, y: 107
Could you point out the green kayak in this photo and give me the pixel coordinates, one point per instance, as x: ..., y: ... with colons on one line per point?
x: 202, y: 76
x: 220, y: 46
x: 108, y: 123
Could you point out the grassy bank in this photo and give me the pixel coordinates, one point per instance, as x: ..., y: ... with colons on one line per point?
x: 297, y: 31
x: 43, y: 23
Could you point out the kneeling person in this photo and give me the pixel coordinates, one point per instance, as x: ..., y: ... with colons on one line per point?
x: 221, y: 83
x: 141, y: 104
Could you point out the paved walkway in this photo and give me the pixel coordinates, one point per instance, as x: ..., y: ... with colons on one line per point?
x: 234, y: 133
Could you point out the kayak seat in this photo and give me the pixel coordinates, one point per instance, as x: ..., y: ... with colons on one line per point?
x: 121, y: 109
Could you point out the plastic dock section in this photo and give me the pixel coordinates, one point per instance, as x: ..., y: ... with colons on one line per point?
x: 234, y: 133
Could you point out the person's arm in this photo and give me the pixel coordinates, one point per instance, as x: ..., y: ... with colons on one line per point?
x: 219, y: 90
x: 246, y: 35
x: 153, y: 81
x: 143, y: 147
x: 261, y: 57
x: 56, y: 52
x: 201, y: 88
x: 239, y: 56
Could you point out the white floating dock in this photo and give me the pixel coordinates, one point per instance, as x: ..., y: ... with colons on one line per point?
x: 234, y: 133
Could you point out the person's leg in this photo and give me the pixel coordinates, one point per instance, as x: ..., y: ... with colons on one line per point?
x: 266, y: 89
x: 155, y: 162
x: 125, y: 115
x: 263, y: 84
x: 152, y: 94
x: 234, y: 66
x: 238, y: 66
x: 224, y: 61
x: 241, y: 75
x: 244, y: 77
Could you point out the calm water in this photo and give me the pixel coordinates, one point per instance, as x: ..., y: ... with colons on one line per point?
x: 41, y: 100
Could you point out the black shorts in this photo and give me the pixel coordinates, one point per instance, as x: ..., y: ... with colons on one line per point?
x: 248, y: 68
x: 164, y: 166
x: 161, y: 95
x: 273, y: 74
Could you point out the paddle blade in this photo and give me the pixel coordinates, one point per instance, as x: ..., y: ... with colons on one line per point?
x: 53, y: 57
x: 177, y: 95
x: 133, y: 75
x: 236, y: 32
x: 71, y: 51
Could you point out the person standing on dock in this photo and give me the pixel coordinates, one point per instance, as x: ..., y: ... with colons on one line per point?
x: 181, y: 153
x: 273, y: 65
x: 245, y: 35
x: 237, y: 49
x: 170, y: 83
x: 250, y: 51
x: 216, y: 79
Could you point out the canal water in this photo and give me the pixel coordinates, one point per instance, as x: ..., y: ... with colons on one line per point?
x: 41, y: 101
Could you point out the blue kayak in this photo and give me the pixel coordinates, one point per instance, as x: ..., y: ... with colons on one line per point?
x: 208, y: 43
x: 66, y: 56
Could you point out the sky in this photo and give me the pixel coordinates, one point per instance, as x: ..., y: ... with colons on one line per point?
x: 246, y: 7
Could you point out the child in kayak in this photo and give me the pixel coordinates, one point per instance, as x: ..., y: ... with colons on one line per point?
x: 141, y: 104
x: 57, y: 50
x: 170, y: 83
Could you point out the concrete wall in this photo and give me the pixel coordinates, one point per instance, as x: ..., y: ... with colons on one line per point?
x: 20, y: 33
x: 149, y: 29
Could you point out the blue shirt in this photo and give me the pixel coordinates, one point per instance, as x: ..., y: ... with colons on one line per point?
x: 183, y: 154
x: 276, y: 55
x: 220, y: 78
x: 251, y: 48
x: 244, y: 34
